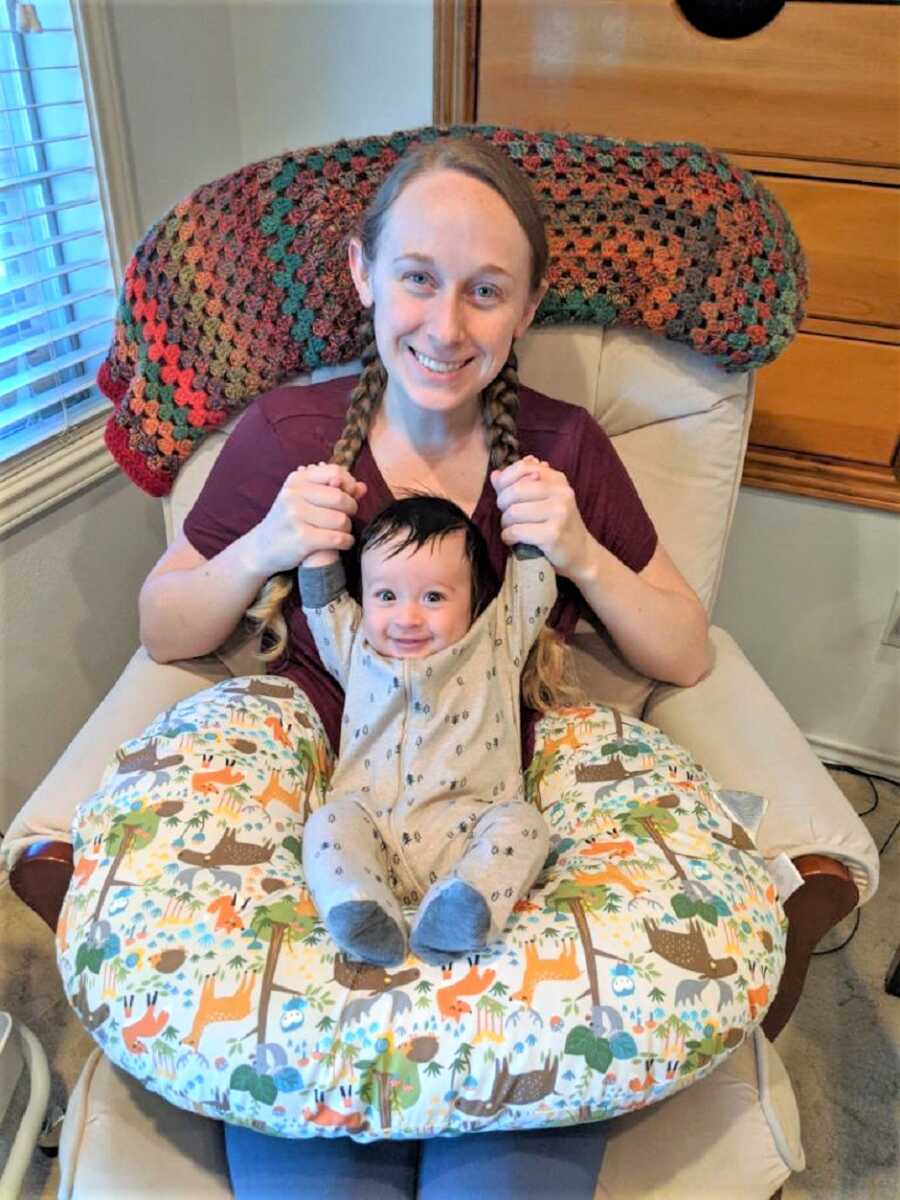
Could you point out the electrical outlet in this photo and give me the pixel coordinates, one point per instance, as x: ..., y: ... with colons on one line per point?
x: 892, y: 632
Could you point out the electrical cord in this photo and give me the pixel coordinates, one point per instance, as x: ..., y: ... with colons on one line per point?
x: 884, y: 845
x: 870, y: 779
x: 846, y: 942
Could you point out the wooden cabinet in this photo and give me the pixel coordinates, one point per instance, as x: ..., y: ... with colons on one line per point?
x: 811, y: 105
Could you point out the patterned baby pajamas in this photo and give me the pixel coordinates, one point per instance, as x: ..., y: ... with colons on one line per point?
x: 426, y: 804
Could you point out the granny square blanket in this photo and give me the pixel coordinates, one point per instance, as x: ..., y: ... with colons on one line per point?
x: 244, y: 284
x: 648, y: 949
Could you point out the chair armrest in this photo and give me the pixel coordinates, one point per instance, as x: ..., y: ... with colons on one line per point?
x: 733, y: 724
x: 143, y: 690
x: 40, y: 877
x: 827, y: 896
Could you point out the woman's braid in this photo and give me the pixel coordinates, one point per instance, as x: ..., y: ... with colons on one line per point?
x: 500, y: 406
x: 363, y: 400
x: 548, y: 676
x: 265, y: 614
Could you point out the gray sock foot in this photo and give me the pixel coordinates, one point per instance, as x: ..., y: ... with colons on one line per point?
x: 363, y: 930
x: 456, y: 921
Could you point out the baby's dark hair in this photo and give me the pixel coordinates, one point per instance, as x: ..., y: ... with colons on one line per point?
x: 417, y: 520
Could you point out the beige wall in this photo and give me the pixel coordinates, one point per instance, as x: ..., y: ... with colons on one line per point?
x: 176, y: 64
x: 68, y: 586
x: 311, y: 71
x: 807, y: 591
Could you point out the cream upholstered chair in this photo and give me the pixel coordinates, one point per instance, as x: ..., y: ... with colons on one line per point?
x: 680, y: 424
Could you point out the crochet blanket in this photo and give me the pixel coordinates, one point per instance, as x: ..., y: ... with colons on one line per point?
x: 244, y: 284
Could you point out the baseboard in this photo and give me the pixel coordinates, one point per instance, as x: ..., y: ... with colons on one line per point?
x: 870, y: 761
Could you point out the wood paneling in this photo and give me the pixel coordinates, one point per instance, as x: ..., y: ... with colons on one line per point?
x: 772, y: 164
x: 851, y: 236
x: 820, y: 81
x: 455, y: 61
x: 822, y: 478
x: 866, y: 333
x: 831, y: 396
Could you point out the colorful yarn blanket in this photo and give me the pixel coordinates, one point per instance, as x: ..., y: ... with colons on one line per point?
x: 244, y: 284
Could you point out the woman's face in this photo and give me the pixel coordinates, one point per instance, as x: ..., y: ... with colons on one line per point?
x: 451, y: 289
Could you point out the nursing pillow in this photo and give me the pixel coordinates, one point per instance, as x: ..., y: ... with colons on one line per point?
x: 650, y: 946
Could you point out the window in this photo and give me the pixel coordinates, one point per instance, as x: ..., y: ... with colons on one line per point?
x: 57, y: 291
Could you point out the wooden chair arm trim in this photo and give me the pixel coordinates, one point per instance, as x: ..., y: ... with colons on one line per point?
x: 827, y: 896
x: 41, y: 878
x: 818, y: 864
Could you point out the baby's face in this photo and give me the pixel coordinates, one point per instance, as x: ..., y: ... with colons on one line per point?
x: 418, y: 601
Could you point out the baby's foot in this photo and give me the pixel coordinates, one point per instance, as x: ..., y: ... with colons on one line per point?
x: 454, y: 920
x: 363, y: 930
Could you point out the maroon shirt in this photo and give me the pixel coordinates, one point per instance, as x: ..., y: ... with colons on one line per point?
x: 296, y: 426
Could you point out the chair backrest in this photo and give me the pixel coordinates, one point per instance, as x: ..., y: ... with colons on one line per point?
x: 680, y: 424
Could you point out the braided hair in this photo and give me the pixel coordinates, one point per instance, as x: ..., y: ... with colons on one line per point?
x: 265, y: 614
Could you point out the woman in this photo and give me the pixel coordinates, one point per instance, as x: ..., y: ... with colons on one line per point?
x: 450, y: 264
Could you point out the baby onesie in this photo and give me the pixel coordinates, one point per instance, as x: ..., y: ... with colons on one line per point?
x: 427, y: 797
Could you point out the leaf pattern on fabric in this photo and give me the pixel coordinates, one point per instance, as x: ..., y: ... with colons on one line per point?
x: 652, y: 943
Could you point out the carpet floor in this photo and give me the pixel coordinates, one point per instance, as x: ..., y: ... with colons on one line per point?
x: 841, y: 1049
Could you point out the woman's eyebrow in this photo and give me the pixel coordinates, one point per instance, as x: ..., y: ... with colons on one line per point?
x: 487, y: 269
x: 414, y: 256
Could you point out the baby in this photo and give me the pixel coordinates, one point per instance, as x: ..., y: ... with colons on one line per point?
x: 426, y: 805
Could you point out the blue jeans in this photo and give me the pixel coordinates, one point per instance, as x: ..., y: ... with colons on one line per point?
x: 563, y: 1162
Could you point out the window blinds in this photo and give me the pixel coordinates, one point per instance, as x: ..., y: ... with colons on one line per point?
x: 57, y: 292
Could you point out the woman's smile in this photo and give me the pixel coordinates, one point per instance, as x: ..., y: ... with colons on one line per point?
x: 445, y: 368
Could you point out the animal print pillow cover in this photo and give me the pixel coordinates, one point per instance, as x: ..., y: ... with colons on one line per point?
x: 188, y: 945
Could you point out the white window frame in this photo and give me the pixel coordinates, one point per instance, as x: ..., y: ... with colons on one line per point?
x: 65, y: 464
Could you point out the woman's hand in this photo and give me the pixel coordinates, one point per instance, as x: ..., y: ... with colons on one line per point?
x: 653, y: 616
x: 311, y: 513
x: 538, y: 507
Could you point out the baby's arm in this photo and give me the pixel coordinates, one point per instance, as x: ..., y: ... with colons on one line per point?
x: 333, y: 617
x: 332, y: 614
x: 526, y: 597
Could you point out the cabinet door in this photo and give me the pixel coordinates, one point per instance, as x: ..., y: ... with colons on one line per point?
x: 818, y: 82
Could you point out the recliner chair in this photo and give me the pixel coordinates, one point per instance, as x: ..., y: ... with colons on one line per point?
x: 680, y: 424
